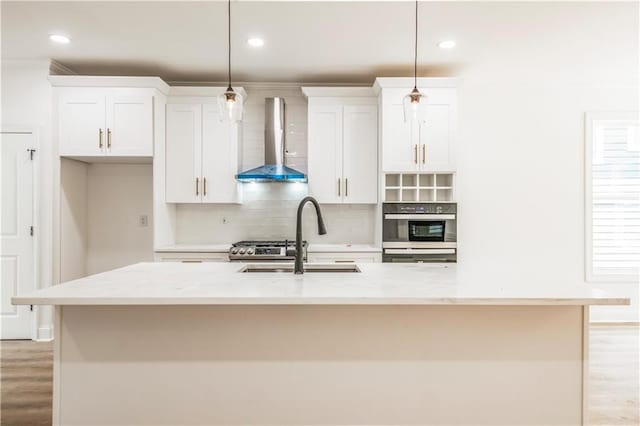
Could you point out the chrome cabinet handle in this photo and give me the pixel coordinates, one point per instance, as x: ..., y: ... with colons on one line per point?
x: 346, y: 187
x: 415, y: 153
x: 424, y: 154
x: 100, y: 138
x: 109, y: 138
x: 204, y: 186
x: 338, y: 187
x: 197, y: 186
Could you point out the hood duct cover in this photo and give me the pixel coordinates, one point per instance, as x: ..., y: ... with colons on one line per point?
x: 273, y: 169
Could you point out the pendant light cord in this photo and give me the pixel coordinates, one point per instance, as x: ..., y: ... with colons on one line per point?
x: 229, y: 39
x: 415, y: 57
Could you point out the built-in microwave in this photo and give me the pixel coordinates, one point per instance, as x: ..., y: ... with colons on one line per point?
x: 419, y: 232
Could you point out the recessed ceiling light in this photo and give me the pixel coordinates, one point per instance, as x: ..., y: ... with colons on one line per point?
x: 447, y: 44
x: 255, y: 42
x: 59, y: 38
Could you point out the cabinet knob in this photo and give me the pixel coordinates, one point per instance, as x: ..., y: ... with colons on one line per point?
x: 109, y: 138
x: 338, y: 187
x: 100, y: 138
x: 204, y: 186
x: 197, y: 186
x: 424, y: 153
x: 415, y: 153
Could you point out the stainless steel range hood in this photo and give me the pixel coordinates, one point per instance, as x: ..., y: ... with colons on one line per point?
x: 274, y: 169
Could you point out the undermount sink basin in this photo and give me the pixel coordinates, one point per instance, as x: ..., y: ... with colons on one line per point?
x: 308, y: 267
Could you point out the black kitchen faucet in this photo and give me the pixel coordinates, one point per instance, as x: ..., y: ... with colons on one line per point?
x: 299, y: 267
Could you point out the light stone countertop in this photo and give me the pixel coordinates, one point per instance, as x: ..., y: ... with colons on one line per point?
x: 313, y: 248
x: 169, y: 283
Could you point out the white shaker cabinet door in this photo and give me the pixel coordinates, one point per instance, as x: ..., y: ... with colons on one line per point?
x: 130, y: 125
x: 81, y: 121
x: 436, y: 146
x: 184, y: 153
x: 360, y: 148
x: 325, y: 153
x: 219, y: 157
x: 399, y: 140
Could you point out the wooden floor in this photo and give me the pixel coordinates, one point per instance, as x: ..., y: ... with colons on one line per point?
x: 614, y: 390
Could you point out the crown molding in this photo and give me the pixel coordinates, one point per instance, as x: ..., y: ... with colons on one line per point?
x: 56, y: 68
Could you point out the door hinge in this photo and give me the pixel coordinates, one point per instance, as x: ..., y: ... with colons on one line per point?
x: 31, y: 230
x: 31, y: 151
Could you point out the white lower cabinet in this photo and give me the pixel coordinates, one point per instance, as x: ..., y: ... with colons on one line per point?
x: 191, y: 257
x: 201, y: 155
x: 343, y: 149
x: 344, y: 257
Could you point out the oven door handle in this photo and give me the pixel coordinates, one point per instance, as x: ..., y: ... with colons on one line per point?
x: 420, y: 216
x: 419, y: 251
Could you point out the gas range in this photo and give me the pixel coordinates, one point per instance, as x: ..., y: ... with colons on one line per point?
x: 264, y: 251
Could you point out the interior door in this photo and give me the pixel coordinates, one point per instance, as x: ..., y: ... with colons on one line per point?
x: 219, y: 157
x: 436, y: 149
x: 17, y: 258
x: 360, y: 149
x: 400, y: 140
x: 325, y: 153
x: 130, y: 125
x: 82, y: 129
x: 184, y: 153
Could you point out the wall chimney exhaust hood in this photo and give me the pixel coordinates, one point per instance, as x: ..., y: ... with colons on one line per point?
x: 273, y: 169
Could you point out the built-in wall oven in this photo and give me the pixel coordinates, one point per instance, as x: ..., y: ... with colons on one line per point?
x: 419, y: 232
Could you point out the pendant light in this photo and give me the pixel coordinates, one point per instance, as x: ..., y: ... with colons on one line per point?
x: 414, y: 104
x: 230, y: 102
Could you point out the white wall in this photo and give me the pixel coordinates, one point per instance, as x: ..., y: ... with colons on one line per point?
x: 269, y: 210
x: 118, y: 194
x: 26, y: 104
x: 73, y: 219
x: 521, y: 155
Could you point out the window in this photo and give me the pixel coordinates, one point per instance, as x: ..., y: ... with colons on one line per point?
x: 613, y: 196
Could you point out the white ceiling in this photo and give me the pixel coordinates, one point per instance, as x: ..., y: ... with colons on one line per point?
x: 329, y: 42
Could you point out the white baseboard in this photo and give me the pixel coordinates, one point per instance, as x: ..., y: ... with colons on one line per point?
x: 45, y: 334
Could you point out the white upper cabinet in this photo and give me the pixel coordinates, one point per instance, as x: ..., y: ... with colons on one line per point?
x: 82, y: 125
x: 410, y: 147
x: 130, y: 125
x: 219, y: 157
x: 201, y: 155
x: 183, y: 153
x: 343, y: 145
x: 360, y: 154
x: 325, y: 153
x: 95, y: 122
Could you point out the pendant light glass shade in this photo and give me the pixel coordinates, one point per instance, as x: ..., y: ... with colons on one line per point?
x: 230, y: 102
x: 415, y: 103
x: 415, y: 107
x: 230, y: 105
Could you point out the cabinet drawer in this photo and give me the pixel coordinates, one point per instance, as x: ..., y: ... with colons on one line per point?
x: 345, y: 257
x: 188, y: 257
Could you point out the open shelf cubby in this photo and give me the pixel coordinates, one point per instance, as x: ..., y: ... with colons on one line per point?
x: 419, y: 187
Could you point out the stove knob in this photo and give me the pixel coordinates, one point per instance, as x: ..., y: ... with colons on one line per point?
x: 234, y: 251
x: 250, y: 251
x: 242, y: 251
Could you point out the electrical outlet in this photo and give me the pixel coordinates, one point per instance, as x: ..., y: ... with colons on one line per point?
x: 143, y: 220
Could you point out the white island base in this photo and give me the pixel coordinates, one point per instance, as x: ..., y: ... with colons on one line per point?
x: 320, y: 365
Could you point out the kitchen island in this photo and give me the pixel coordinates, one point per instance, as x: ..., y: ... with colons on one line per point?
x: 187, y: 344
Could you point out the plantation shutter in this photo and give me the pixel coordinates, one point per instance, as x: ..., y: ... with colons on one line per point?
x: 615, y: 198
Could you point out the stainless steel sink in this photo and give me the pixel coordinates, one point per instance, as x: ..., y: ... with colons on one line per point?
x: 308, y: 267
